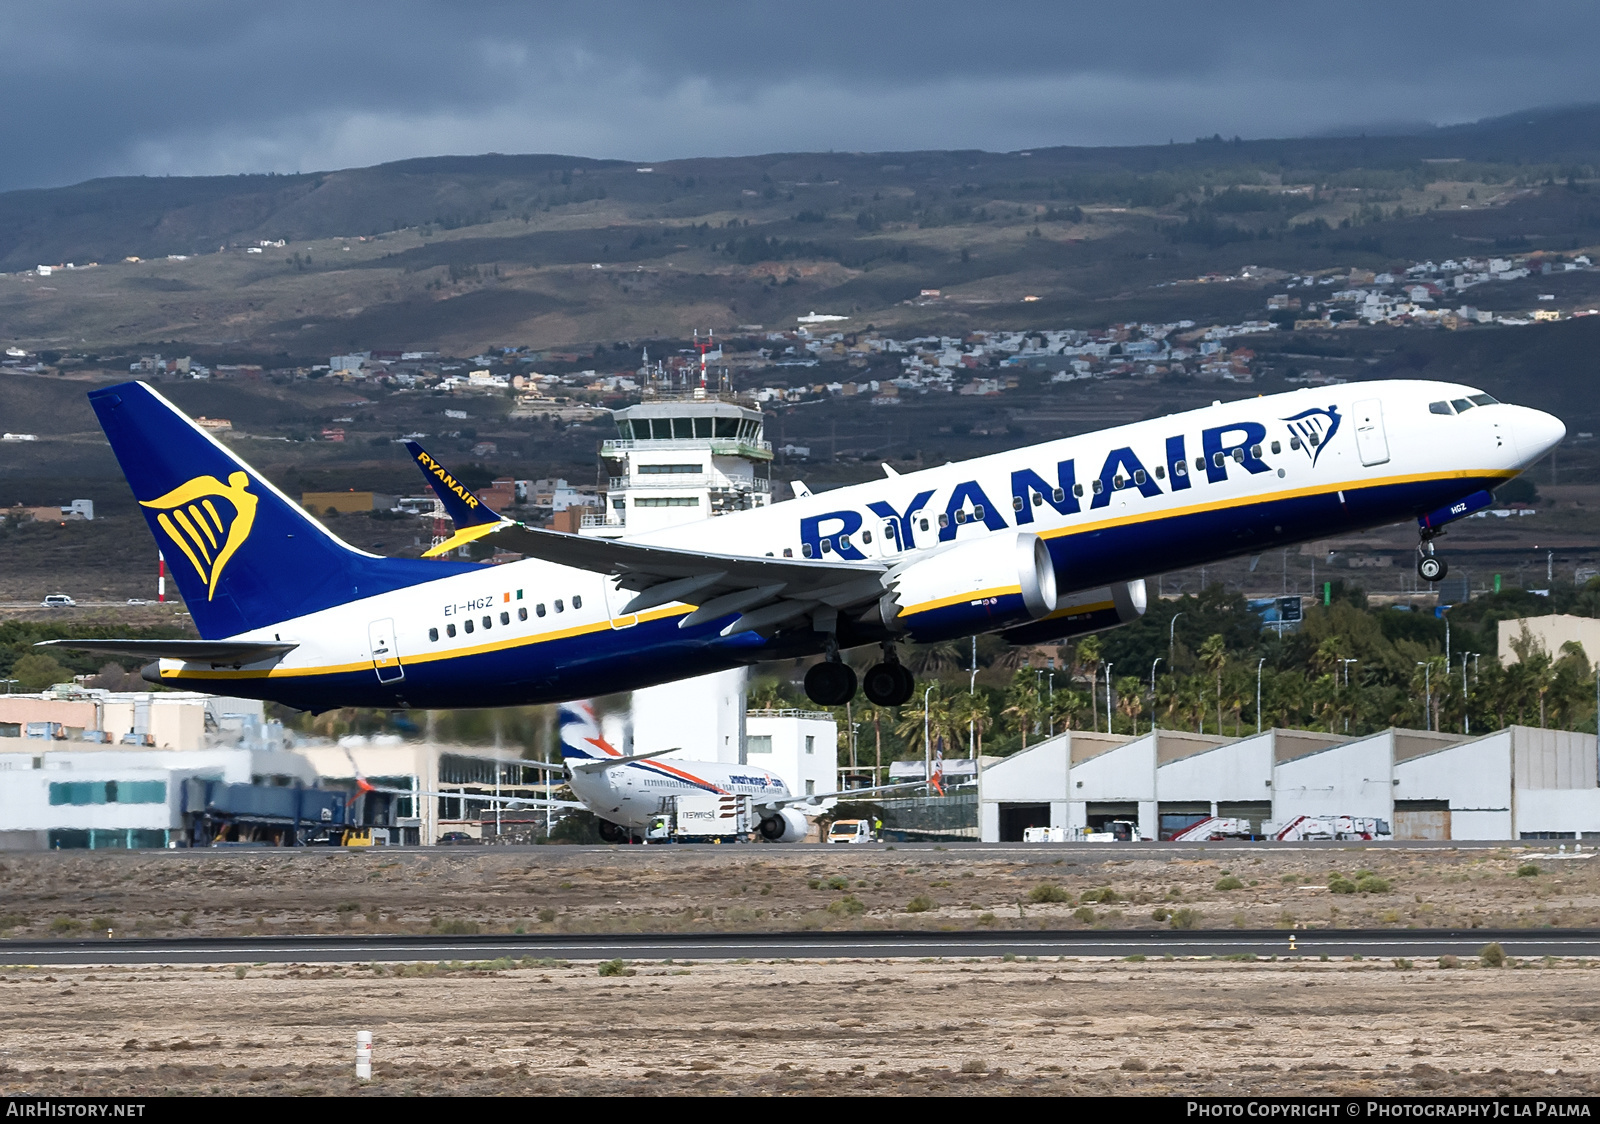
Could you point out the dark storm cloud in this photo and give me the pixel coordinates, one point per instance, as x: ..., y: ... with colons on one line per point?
x: 97, y: 87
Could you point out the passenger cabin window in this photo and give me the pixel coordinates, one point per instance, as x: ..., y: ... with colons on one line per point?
x: 1255, y: 451
x: 1058, y: 494
x: 844, y: 542
x: 961, y: 517
x: 505, y: 618
x: 522, y: 613
x: 577, y: 601
x: 433, y: 634
x: 539, y: 609
x: 805, y: 550
x: 788, y: 552
x: 1277, y: 446
x: 944, y: 521
x: 978, y: 512
x: 1294, y: 442
x: 1161, y: 472
x: 560, y: 608
x: 1098, y: 487
x: 1180, y: 468
x: 924, y: 523
x: 467, y: 624
x: 866, y: 536
x: 1016, y: 502
x: 449, y: 630
x: 1217, y: 458
x: 1440, y: 408
x: 1138, y: 476
x: 1200, y: 463
x: 487, y: 620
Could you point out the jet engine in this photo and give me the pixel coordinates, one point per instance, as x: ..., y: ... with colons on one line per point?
x: 1089, y: 610
x: 977, y: 586
x: 784, y: 826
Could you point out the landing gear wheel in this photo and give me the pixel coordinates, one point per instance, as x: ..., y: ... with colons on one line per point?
x: 1431, y: 568
x: 830, y: 684
x: 887, y: 684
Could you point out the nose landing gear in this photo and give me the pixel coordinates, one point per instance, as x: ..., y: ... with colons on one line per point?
x: 1430, y: 567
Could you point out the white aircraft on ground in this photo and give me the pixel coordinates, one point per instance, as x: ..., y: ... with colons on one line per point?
x: 626, y: 791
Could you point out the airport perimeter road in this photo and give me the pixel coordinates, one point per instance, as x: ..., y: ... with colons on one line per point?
x: 810, y: 946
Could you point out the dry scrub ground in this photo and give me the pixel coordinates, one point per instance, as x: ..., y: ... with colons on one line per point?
x: 853, y: 1026
x: 748, y: 888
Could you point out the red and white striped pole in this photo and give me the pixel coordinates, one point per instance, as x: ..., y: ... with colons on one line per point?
x: 161, y: 577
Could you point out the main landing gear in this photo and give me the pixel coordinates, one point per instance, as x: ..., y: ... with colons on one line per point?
x: 833, y: 682
x: 1430, y: 567
x: 888, y: 683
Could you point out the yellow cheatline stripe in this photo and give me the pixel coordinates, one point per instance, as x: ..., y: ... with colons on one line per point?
x: 1248, y: 500
x: 411, y: 660
x: 175, y: 536
x: 960, y: 598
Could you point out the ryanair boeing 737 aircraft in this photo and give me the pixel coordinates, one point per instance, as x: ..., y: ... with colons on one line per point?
x: 1039, y: 543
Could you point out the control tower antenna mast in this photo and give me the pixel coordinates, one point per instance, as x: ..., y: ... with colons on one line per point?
x: 703, y: 346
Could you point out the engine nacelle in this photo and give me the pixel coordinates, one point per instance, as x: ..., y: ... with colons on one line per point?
x: 1089, y: 610
x: 784, y: 826
x: 977, y: 586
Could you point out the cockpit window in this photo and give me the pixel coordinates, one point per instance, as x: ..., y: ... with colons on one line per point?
x: 1462, y: 405
x: 1485, y: 400
x: 1440, y: 408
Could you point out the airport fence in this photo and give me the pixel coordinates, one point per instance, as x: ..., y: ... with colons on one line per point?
x: 928, y: 819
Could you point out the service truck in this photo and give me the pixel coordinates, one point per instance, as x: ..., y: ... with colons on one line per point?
x: 701, y: 818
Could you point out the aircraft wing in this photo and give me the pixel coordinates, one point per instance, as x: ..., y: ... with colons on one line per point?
x: 194, y: 651
x: 510, y: 801
x: 766, y: 592
x: 847, y: 792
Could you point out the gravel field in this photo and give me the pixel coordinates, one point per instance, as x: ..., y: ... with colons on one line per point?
x: 767, y: 887
x: 818, y: 1027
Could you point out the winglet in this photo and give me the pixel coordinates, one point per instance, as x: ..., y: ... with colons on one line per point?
x: 465, y: 506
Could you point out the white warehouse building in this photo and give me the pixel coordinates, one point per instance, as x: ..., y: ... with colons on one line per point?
x: 1516, y: 783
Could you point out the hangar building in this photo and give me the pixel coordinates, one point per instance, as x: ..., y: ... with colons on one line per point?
x: 1516, y: 783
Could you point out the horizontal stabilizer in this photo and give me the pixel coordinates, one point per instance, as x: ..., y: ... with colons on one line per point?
x: 194, y: 651
x: 600, y: 764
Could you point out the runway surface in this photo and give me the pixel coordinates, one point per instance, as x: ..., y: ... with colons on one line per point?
x: 808, y: 946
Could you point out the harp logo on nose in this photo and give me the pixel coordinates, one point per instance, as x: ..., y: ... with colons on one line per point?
x: 208, y: 521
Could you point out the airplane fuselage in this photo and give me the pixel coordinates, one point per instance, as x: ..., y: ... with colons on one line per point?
x: 629, y: 795
x: 1115, y: 505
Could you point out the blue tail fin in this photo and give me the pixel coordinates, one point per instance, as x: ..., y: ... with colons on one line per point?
x: 465, y: 506
x: 244, y: 555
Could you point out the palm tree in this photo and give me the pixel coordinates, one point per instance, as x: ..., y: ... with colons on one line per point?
x: 1023, y: 704
x: 932, y: 659
x: 1214, y: 658
x: 969, y: 714
x: 1088, y: 662
x: 1130, y: 700
x: 911, y: 722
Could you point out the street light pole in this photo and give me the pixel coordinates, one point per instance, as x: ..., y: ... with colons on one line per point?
x: 927, y: 746
x: 1466, y: 711
x: 1259, y: 662
x: 1427, y: 687
x: 1050, y: 706
x: 1172, y: 638
x: 1108, y: 698
x: 1153, y: 693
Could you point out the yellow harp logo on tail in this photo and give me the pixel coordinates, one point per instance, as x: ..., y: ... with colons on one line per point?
x: 207, y: 520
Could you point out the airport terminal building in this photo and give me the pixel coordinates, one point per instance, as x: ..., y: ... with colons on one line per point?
x: 1515, y: 783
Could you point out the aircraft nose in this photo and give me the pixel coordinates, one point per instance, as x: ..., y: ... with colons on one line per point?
x: 1537, y: 433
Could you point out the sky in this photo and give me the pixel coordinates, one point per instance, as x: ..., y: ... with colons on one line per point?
x: 182, y: 87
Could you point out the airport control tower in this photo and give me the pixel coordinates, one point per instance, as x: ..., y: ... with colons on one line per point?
x: 690, y: 450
